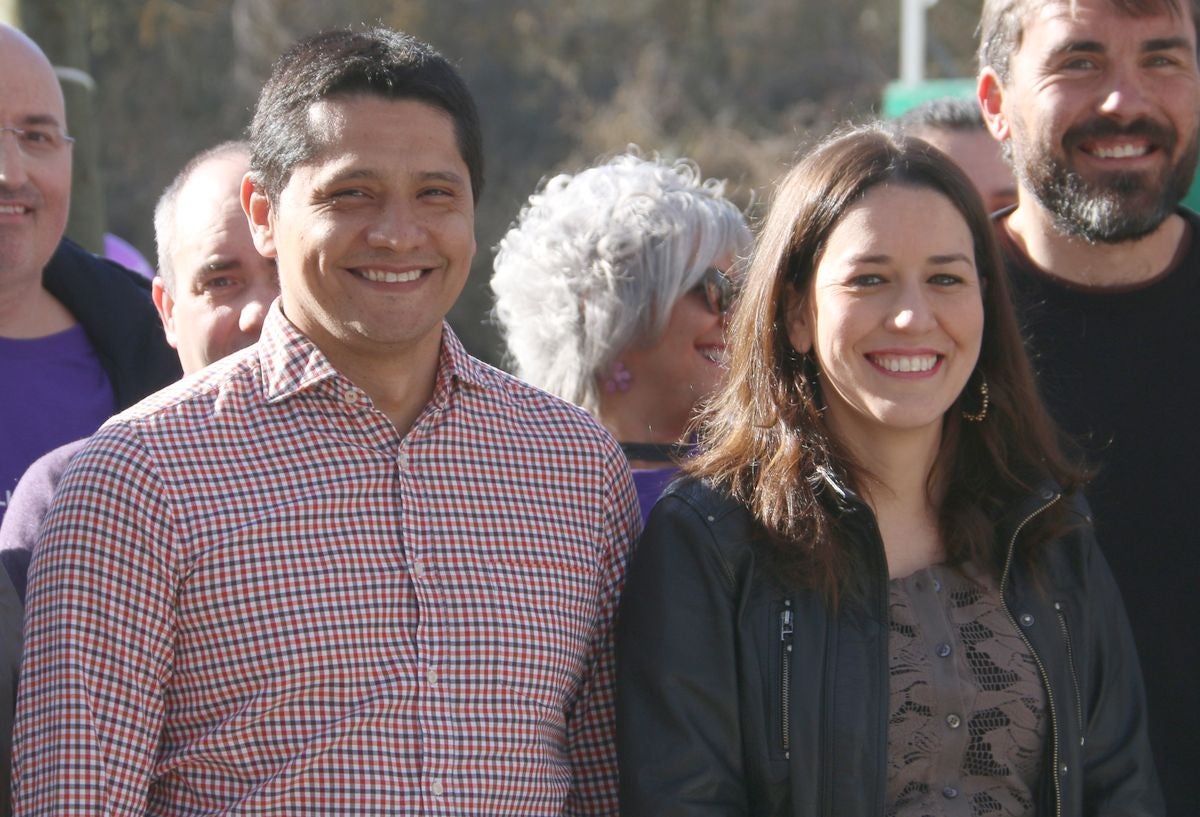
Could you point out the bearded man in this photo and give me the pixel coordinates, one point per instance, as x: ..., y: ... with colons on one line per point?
x: 1097, y: 105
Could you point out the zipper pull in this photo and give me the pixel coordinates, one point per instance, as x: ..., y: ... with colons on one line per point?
x: 785, y: 625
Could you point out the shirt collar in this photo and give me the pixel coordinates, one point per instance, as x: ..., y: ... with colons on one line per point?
x: 292, y: 363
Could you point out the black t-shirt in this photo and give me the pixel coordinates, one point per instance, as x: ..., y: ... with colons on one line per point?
x: 1120, y: 371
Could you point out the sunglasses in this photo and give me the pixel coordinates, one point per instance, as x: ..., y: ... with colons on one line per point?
x: 718, y: 289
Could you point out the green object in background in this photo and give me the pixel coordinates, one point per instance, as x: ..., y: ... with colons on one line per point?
x: 898, y: 97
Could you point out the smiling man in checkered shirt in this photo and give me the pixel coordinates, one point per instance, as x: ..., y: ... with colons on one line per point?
x: 351, y: 570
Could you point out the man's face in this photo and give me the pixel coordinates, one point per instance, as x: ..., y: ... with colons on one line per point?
x: 35, y: 183
x: 1102, y: 111
x: 374, y: 235
x: 979, y: 156
x: 222, y: 286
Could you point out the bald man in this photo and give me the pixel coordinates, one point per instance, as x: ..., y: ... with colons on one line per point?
x: 212, y: 292
x: 79, y: 337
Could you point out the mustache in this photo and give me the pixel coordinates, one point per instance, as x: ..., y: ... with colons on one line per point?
x: 1162, y: 136
x: 27, y: 195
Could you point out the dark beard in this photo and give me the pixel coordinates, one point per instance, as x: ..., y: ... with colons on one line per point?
x: 1119, y: 207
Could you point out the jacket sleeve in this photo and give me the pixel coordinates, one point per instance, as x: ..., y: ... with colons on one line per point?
x: 1119, y: 774
x: 678, y: 726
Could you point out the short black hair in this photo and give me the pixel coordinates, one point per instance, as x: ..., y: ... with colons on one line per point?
x: 342, y: 62
x: 953, y: 113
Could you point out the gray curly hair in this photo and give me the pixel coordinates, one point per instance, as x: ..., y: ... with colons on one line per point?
x: 596, y: 261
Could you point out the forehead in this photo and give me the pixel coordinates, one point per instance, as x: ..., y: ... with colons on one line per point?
x: 29, y: 90
x: 1109, y: 23
x: 355, y: 122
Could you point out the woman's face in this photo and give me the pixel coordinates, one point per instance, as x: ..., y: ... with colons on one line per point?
x: 894, y: 315
x: 685, y: 365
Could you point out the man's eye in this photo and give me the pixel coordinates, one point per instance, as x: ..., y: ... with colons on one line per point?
x: 38, y: 137
x: 220, y: 282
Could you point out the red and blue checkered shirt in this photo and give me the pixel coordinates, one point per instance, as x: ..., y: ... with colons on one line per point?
x: 253, y: 596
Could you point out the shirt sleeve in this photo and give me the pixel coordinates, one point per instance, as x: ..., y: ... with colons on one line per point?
x: 591, y: 723
x: 99, y: 634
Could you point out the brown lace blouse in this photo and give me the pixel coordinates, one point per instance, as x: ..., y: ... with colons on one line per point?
x: 968, y: 724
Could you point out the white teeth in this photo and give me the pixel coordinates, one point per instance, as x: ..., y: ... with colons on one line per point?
x: 714, y: 355
x: 918, y: 363
x: 11, y: 209
x: 389, y: 277
x: 1121, y: 152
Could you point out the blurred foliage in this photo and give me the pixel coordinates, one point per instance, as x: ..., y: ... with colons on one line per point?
x: 737, y: 85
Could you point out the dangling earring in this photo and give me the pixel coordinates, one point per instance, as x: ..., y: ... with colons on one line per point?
x: 811, y: 388
x: 618, y: 378
x: 984, y: 402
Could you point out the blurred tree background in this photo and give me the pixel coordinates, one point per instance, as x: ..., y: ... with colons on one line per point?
x: 740, y: 86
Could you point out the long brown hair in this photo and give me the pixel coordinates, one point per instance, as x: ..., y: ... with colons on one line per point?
x: 762, y: 437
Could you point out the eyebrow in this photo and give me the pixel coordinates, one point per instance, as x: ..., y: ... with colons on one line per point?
x: 947, y: 258
x: 1096, y: 47
x: 41, y: 119
x: 447, y: 176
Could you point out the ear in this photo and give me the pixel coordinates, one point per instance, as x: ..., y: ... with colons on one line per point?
x: 990, y: 94
x: 258, y: 212
x: 799, y: 321
x: 165, y: 305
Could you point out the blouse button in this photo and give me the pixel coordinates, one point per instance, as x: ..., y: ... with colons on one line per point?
x: 943, y: 650
x: 953, y: 721
x: 1026, y: 620
x: 949, y: 792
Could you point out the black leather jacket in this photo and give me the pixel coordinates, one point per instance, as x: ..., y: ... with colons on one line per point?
x: 707, y: 726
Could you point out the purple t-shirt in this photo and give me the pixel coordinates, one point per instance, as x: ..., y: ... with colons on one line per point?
x: 650, y: 483
x: 57, y: 392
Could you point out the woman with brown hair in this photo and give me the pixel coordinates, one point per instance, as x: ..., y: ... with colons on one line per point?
x: 878, y: 591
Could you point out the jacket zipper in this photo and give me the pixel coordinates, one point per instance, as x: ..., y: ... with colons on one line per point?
x: 1066, y: 632
x: 786, y: 627
x: 1054, y: 755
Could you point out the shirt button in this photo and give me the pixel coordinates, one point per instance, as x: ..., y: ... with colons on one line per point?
x: 949, y: 792
x: 1062, y: 770
x: 350, y: 397
x: 937, y: 586
x: 402, y: 459
x: 432, y: 677
x: 1026, y: 620
x: 943, y: 650
x: 437, y: 788
x: 418, y: 568
x: 953, y: 721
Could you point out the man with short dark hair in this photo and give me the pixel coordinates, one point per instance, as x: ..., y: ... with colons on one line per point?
x: 1098, y: 104
x: 351, y: 570
x: 954, y: 126
x: 78, y: 336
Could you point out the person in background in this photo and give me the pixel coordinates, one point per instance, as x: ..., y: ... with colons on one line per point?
x: 78, y: 335
x: 351, y: 569
x: 212, y: 291
x: 877, y: 591
x: 1097, y: 103
x: 955, y: 126
x: 612, y: 289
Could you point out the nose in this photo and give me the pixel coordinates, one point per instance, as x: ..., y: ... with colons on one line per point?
x: 12, y: 162
x: 398, y: 228
x: 254, y: 311
x: 911, y: 312
x: 1125, y: 97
